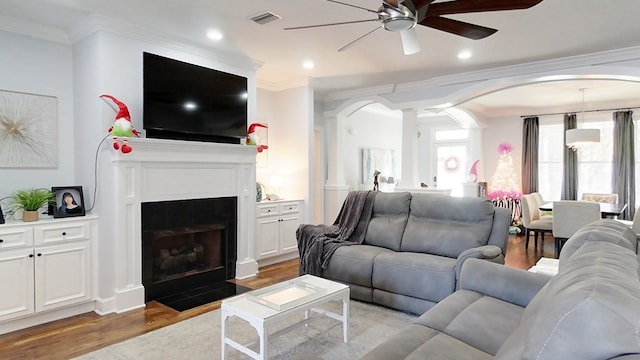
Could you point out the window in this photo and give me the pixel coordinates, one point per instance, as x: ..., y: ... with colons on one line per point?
x: 550, y: 164
x: 595, y: 163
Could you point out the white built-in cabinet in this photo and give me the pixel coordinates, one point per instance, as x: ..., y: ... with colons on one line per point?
x: 277, y: 222
x: 46, y: 265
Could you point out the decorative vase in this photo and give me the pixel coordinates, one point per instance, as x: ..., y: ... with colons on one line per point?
x: 258, y: 192
x: 28, y: 216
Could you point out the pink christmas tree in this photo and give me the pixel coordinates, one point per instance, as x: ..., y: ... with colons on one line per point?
x: 504, y: 188
x: 504, y: 183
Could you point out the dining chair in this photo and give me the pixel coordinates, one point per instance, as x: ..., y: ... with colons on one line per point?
x: 569, y: 216
x: 532, y: 221
x: 539, y: 201
x: 600, y: 198
x: 633, y: 224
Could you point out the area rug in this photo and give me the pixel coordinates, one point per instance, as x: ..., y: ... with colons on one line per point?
x: 199, y: 337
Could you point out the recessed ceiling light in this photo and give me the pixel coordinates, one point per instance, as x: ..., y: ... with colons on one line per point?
x: 308, y: 64
x: 214, y: 35
x: 465, y: 54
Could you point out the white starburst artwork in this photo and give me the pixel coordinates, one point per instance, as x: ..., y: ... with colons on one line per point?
x: 28, y: 130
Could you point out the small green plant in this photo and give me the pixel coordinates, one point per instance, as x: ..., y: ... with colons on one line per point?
x: 30, y: 199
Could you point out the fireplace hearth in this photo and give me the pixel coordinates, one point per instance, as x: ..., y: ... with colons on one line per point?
x: 189, y: 250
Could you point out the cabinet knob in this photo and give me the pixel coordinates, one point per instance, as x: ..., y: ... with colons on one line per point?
x: 1, y: 241
x: 64, y: 233
x: 30, y: 255
x: 39, y: 254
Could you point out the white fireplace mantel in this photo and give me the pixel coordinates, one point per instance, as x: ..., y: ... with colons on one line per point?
x: 159, y: 170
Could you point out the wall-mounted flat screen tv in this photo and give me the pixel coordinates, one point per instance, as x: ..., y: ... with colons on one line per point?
x: 184, y: 101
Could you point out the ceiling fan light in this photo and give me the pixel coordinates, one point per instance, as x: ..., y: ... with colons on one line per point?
x: 577, y: 139
x: 399, y: 24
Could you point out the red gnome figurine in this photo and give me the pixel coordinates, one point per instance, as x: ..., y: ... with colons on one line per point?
x: 122, y: 127
x: 254, y: 139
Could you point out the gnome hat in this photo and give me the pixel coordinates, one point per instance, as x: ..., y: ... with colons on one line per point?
x: 123, y: 111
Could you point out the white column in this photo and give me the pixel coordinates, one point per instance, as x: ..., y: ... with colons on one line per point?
x: 335, y: 190
x: 410, y: 177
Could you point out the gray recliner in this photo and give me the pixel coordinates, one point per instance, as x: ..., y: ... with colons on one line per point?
x: 415, y: 246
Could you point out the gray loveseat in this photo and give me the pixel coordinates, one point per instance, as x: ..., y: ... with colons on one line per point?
x: 589, y: 310
x: 414, y: 247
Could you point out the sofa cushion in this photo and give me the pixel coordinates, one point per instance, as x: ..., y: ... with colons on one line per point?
x: 446, y: 226
x: 390, y: 213
x: 416, y: 342
x: 481, y: 321
x: 353, y: 264
x: 590, y: 310
x: 608, y: 230
x: 423, y: 276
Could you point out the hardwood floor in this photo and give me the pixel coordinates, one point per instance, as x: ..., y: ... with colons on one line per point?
x: 68, y: 338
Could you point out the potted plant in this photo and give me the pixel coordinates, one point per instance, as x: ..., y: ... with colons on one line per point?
x: 30, y: 201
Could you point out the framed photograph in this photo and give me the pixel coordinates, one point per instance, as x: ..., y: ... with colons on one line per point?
x: 69, y: 201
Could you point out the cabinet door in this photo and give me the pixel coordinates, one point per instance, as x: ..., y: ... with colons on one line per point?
x: 16, y: 277
x: 62, y: 274
x: 267, y: 234
x: 289, y: 225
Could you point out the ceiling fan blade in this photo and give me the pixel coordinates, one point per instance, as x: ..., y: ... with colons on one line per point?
x: 457, y: 27
x: 419, y: 4
x: 409, y: 39
x: 471, y: 6
x: 354, y: 6
x: 358, y: 39
x: 330, y: 24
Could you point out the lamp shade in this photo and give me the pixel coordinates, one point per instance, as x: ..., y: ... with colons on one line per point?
x: 578, y: 138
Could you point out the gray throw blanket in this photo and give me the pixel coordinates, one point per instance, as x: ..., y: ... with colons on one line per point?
x: 316, y: 243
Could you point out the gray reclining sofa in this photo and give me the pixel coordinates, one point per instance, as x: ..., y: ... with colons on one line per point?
x: 414, y: 247
x: 589, y: 310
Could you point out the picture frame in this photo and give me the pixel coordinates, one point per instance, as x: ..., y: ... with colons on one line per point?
x: 71, y: 195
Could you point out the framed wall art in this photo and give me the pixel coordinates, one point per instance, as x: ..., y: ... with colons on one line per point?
x: 28, y: 130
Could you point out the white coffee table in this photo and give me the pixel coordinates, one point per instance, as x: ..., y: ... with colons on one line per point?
x: 265, y: 307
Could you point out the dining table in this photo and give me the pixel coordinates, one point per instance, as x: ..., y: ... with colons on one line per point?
x: 606, y: 209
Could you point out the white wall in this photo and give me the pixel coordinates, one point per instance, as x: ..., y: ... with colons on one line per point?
x: 289, y: 115
x: 41, y: 67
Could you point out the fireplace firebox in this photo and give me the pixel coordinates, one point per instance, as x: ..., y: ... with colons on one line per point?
x: 188, y: 247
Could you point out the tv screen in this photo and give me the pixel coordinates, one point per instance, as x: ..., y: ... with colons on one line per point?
x: 184, y: 101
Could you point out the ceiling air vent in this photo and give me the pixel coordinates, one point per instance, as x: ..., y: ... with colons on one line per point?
x: 265, y: 18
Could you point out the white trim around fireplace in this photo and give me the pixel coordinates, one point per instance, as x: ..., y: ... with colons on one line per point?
x: 160, y: 170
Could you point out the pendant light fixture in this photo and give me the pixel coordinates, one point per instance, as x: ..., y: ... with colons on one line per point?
x: 577, y: 139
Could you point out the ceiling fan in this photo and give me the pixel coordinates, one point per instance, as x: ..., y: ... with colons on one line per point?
x: 403, y: 15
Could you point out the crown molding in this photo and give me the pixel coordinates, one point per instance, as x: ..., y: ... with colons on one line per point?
x: 96, y: 23
x: 282, y: 85
x: 33, y: 29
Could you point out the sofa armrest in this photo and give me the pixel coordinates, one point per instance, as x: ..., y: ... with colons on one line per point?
x: 487, y: 252
x: 512, y: 285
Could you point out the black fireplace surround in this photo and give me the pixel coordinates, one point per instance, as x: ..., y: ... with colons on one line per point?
x: 187, y: 244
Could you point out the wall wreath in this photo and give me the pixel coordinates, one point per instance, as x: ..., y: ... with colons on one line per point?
x: 452, y: 164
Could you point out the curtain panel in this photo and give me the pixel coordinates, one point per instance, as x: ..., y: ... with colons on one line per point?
x: 569, y: 189
x: 530, y: 141
x: 623, y: 177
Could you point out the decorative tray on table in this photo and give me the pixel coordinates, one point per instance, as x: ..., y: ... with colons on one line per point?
x: 286, y: 295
